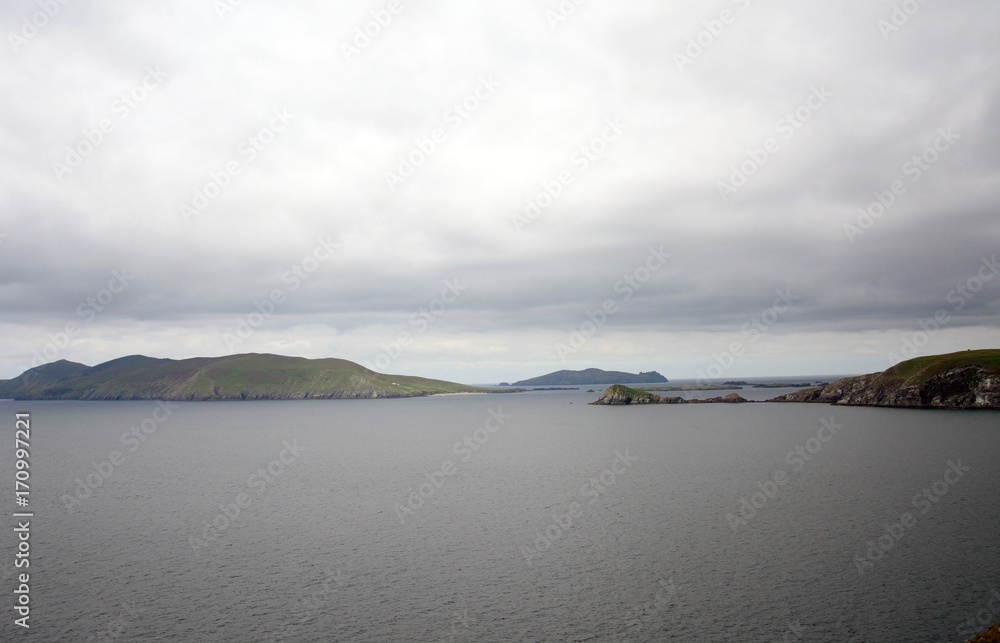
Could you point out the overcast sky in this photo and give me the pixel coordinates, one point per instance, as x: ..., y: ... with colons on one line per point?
x: 627, y: 185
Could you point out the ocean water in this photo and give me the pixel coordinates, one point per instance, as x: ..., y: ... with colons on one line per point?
x: 528, y: 517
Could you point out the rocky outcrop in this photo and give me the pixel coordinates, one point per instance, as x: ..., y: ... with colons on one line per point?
x: 732, y: 398
x: 619, y: 395
x: 991, y: 635
x: 963, y: 386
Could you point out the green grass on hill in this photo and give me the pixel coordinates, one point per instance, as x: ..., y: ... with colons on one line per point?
x: 627, y: 392
x: 920, y: 369
x: 258, y: 376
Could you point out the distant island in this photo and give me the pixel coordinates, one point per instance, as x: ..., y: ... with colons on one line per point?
x: 965, y: 380
x: 742, y: 383
x: 788, y: 385
x: 236, y: 377
x: 693, y: 387
x: 592, y: 376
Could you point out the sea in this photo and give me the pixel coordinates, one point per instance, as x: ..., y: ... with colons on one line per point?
x: 517, y: 517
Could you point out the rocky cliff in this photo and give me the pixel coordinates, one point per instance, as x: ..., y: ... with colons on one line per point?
x: 991, y: 635
x: 967, y: 380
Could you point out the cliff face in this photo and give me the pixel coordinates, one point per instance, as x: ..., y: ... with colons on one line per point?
x: 959, y: 387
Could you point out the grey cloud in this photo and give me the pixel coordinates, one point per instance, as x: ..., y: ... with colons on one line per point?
x: 324, y: 175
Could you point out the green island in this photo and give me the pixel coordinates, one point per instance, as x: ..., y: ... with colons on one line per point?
x: 250, y: 376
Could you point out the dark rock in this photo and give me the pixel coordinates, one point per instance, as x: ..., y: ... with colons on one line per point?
x: 732, y: 398
x: 962, y: 387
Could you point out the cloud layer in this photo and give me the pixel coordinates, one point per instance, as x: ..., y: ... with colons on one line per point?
x: 308, y: 180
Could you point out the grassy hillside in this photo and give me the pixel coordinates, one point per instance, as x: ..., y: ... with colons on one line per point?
x: 965, y: 380
x: 921, y: 369
x: 248, y: 376
x: 621, y: 395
